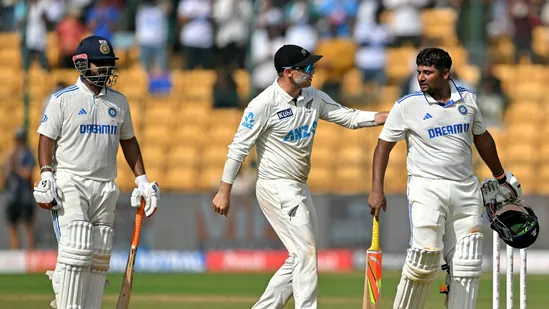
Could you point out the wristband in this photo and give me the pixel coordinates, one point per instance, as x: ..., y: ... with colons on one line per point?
x: 46, y: 167
x: 501, y: 178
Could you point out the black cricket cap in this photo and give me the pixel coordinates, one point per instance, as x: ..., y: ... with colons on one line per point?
x: 293, y: 56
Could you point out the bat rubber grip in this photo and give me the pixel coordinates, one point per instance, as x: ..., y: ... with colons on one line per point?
x: 138, y: 222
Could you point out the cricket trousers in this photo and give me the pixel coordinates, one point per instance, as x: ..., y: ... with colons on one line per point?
x: 83, y: 199
x: 289, y: 208
x: 442, y: 212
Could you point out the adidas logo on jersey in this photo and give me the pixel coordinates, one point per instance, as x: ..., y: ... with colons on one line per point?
x: 427, y: 116
x: 82, y: 112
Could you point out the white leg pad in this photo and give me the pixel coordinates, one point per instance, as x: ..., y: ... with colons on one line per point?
x: 418, y: 273
x: 102, y: 250
x: 73, y: 263
x: 465, y: 271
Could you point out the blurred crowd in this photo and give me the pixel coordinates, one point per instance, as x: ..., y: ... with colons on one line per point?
x: 229, y: 35
x: 226, y: 35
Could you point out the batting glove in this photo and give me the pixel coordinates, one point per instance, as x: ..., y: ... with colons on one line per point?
x: 509, y: 187
x: 150, y: 191
x: 489, y: 189
x: 45, y: 192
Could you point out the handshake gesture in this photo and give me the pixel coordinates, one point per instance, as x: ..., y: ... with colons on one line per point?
x: 505, y: 188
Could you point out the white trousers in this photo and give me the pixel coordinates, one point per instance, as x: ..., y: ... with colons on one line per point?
x: 84, y: 200
x: 443, y: 211
x: 289, y: 209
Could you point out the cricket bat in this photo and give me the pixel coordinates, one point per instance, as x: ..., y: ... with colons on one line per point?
x: 126, y: 289
x: 372, y: 275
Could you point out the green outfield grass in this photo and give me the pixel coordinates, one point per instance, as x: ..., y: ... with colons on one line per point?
x: 239, y: 291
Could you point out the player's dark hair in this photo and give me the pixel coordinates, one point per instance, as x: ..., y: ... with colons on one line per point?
x: 436, y: 57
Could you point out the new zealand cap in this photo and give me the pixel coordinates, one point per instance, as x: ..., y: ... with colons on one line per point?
x: 293, y: 56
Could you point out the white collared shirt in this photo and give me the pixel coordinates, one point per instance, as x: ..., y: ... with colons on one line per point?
x: 439, y: 136
x: 87, y: 130
x: 283, y: 130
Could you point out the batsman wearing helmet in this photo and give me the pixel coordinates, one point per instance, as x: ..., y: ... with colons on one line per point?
x: 80, y: 132
x: 440, y: 124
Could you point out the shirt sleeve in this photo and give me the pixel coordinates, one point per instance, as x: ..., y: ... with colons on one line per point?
x: 344, y: 116
x: 126, y: 130
x: 478, y: 123
x: 52, y: 120
x: 395, y: 127
x: 251, y: 126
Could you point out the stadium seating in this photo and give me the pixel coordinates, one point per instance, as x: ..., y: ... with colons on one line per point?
x: 184, y: 139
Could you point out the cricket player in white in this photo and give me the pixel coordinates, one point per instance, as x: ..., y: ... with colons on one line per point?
x: 440, y: 123
x: 282, y: 122
x: 81, y: 129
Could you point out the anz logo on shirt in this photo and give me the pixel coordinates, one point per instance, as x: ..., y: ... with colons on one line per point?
x: 300, y: 133
x: 98, y: 129
x: 449, y: 130
x: 248, y: 121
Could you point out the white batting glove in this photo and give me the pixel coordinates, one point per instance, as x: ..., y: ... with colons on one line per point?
x: 489, y: 189
x: 150, y: 191
x: 45, y: 192
x: 509, y: 188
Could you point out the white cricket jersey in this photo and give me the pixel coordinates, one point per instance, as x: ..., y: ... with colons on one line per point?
x: 87, y: 129
x: 283, y: 130
x: 439, y: 136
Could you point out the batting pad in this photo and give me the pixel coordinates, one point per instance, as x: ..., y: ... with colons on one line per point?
x: 102, y: 250
x: 73, y: 262
x: 418, y: 273
x: 464, y: 273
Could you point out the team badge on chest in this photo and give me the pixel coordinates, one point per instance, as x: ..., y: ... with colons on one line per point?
x: 112, y: 112
x: 462, y: 109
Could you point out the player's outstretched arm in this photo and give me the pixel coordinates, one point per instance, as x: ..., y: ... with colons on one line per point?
x: 150, y: 191
x: 376, y: 200
x: 348, y: 117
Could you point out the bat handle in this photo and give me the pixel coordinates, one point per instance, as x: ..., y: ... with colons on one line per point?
x: 375, y: 234
x: 138, y: 222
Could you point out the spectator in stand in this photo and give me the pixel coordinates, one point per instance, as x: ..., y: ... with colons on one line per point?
x: 69, y: 33
x: 300, y: 16
x: 7, y: 15
x: 31, y: 16
x: 373, y: 39
x: 405, y: 25
x: 197, y: 33
x: 338, y: 17
x: 523, y: 15
x: 151, y: 31
x: 18, y: 184
x: 267, y: 38
x: 491, y: 98
x: 225, y: 93
x: 102, y: 18
x: 232, y: 18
